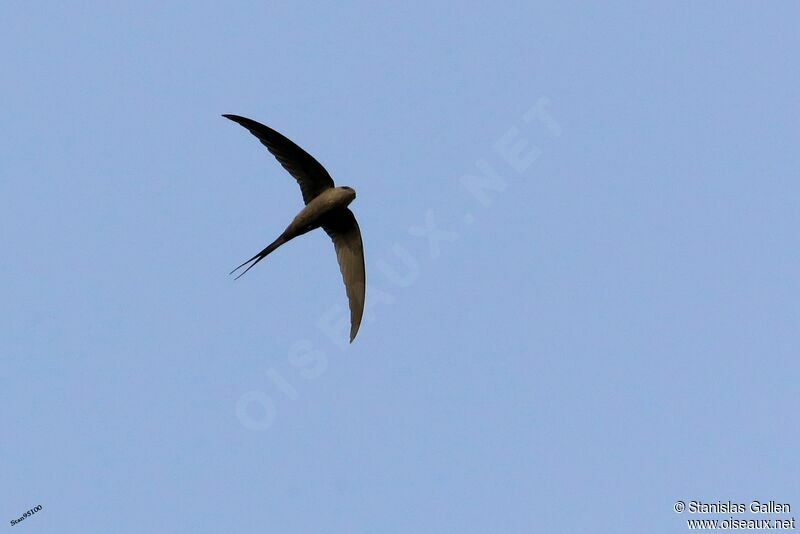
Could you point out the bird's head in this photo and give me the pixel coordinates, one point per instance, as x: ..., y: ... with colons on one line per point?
x: 349, y: 193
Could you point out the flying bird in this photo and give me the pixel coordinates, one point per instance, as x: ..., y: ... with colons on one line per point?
x: 325, y: 207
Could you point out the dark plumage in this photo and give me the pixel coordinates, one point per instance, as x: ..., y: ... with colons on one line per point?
x: 326, y: 207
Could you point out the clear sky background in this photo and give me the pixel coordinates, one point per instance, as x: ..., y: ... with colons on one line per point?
x: 581, y: 228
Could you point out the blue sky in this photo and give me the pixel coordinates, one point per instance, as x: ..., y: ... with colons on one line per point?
x: 580, y: 225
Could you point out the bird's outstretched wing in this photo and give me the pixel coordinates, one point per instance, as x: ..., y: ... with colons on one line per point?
x: 341, y: 225
x: 309, y: 173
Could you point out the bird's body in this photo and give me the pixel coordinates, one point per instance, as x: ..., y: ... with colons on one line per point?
x: 322, y: 206
x: 326, y: 208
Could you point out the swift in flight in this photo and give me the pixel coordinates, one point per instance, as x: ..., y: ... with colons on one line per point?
x: 326, y: 208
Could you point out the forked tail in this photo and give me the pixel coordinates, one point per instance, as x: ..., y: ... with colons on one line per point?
x: 260, y: 256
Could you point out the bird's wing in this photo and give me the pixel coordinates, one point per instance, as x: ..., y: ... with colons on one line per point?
x: 341, y: 225
x: 309, y: 173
